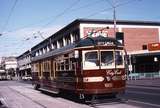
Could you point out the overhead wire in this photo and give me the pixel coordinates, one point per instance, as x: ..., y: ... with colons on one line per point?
x: 9, y: 16
x: 87, y: 5
x: 42, y: 20
x: 56, y: 17
x: 51, y: 21
x: 108, y: 9
x: 70, y: 8
x: 62, y: 13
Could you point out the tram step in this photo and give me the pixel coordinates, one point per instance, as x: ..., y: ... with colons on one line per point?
x: 51, y: 91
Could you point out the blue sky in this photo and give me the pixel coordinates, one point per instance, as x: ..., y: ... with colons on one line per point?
x: 47, y: 16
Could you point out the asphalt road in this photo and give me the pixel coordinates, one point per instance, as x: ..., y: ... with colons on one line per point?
x: 16, y: 94
x: 146, y: 95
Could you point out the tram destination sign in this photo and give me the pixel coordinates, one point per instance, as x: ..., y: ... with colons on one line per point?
x: 106, y: 43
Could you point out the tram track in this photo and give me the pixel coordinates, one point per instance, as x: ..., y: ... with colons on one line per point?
x: 41, y: 105
x: 108, y: 101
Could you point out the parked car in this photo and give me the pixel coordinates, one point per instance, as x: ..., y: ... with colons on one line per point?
x: 27, y: 77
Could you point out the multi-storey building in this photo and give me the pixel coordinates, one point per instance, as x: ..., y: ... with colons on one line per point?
x: 24, y: 64
x: 9, y: 64
x: 2, y: 71
x: 137, y: 36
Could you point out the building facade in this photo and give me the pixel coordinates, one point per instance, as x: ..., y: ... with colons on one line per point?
x: 141, y: 40
x: 24, y: 64
x: 136, y: 37
x: 9, y: 64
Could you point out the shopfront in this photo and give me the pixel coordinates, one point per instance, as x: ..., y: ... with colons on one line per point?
x: 145, y: 64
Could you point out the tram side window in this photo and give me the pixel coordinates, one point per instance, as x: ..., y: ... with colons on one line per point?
x: 91, y: 59
x: 46, y: 65
x: 42, y: 68
x: 66, y: 64
x: 37, y: 68
x: 107, y: 58
x: 58, y: 66
x: 62, y: 65
x: 118, y: 58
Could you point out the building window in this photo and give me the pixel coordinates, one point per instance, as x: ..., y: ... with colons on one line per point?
x: 76, y: 36
x: 144, y: 47
x: 61, y: 43
x: 48, y: 49
x: 68, y: 40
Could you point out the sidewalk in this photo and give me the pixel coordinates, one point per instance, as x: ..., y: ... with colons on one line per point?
x: 145, y: 82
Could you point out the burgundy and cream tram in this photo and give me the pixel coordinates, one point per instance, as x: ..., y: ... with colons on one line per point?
x: 90, y: 66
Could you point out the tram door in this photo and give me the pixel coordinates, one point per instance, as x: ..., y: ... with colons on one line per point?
x: 53, y: 70
x: 46, y: 73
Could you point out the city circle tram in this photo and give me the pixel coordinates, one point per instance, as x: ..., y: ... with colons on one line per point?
x: 92, y: 66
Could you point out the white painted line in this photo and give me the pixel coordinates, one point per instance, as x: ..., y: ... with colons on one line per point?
x: 145, y: 93
x: 146, y: 103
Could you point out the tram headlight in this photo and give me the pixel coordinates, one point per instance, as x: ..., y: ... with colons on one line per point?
x: 93, y: 79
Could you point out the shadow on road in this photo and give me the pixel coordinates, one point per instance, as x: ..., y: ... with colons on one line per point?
x: 97, y: 100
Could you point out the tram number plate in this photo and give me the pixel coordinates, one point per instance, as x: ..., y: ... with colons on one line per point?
x: 108, y: 85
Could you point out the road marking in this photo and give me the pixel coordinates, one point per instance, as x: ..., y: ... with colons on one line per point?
x: 152, y: 88
x: 146, y: 103
x: 145, y: 93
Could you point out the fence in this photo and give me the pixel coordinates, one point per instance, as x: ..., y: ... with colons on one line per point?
x: 148, y: 75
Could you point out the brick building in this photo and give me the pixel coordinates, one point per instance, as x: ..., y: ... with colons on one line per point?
x: 138, y: 37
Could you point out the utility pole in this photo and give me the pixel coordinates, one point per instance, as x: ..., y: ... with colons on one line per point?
x: 114, y: 15
x: 114, y: 19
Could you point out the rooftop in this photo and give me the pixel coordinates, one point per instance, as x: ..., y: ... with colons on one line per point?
x: 99, y: 21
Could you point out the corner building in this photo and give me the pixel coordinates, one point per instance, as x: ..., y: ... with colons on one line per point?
x: 141, y: 40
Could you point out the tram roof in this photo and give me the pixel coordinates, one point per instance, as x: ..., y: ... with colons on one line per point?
x: 96, y: 21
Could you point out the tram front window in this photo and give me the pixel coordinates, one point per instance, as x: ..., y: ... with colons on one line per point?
x: 107, y: 58
x: 91, y: 59
x: 102, y: 59
x: 118, y: 58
